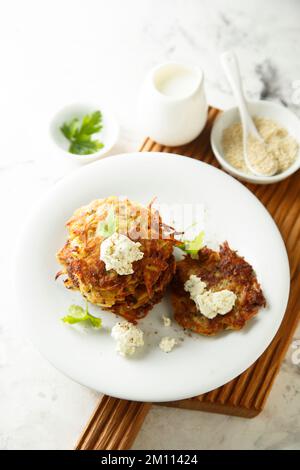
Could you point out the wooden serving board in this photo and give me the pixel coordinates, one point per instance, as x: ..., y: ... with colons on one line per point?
x: 115, y: 423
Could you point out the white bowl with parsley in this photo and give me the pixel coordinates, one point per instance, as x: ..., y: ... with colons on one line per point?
x: 84, y: 132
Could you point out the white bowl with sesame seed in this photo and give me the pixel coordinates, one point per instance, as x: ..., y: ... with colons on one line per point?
x: 261, y: 109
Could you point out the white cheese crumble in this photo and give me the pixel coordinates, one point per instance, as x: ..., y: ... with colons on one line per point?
x: 119, y: 252
x: 128, y: 338
x: 223, y: 301
x: 194, y: 286
x: 167, y: 344
x: 209, y: 303
x: 166, y: 320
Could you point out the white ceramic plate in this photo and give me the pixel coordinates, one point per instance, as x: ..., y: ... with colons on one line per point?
x: 198, y: 364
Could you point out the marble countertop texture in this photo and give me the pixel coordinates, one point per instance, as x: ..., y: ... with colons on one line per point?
x: 53, y: 54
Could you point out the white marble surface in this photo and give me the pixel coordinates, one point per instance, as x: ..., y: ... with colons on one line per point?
x: 55, y: 52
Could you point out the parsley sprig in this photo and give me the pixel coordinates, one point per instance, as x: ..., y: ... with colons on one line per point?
x: 79, y: 133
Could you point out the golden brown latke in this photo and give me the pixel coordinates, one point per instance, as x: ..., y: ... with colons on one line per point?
x: 219, y: 270
x: 132, y: 295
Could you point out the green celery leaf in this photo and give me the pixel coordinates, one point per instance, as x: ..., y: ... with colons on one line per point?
x: 192, y: 247
x: 77, y: 314
x: 109, y: 225
x: 96, y: 322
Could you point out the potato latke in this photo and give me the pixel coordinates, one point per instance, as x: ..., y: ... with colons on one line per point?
x: 132, y: 295
x: 219, y: 270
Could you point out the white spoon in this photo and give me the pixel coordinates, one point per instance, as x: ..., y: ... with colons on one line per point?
x: 265, y: 165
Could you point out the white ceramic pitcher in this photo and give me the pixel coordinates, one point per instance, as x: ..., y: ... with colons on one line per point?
x: 172, y: 108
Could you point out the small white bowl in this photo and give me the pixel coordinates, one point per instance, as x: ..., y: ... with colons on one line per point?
x: 268, y: 109
x: 108, y: 135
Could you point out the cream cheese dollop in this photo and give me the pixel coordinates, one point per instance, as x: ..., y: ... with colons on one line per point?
x: 194, y: 286
x: 128, y: 337
x: 209, y: 303
x: 119, y: 252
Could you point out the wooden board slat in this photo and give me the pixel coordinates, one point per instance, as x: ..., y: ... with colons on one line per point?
x: 116, y: 423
